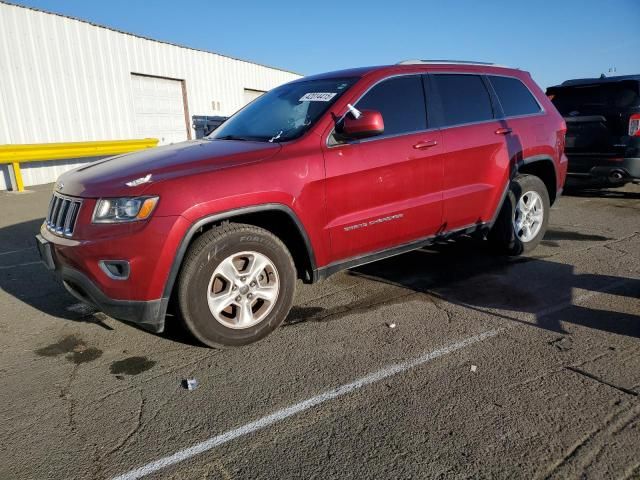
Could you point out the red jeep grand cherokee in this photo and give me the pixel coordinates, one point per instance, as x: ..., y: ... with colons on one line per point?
x: 318, y: 175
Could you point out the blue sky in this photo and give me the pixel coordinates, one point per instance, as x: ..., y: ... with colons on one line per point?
x: 554, y: 40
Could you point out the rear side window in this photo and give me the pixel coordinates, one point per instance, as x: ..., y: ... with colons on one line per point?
x: 514, y: 96
x: 464, y: 98
x: 401, y: 102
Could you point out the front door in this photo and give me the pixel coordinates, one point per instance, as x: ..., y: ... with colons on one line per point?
x: 384, y: 191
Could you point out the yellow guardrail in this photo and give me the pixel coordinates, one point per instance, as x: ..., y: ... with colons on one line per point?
x: 14, y: 155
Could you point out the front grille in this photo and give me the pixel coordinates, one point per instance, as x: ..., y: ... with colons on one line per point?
x: 62, y: 214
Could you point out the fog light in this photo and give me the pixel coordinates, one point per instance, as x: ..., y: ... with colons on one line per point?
x: 115, y: 269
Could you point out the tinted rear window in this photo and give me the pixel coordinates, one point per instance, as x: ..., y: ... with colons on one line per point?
x: 589, y: 97
x: 464, y: 98
x: 400, y: 100
x: 514, y: 96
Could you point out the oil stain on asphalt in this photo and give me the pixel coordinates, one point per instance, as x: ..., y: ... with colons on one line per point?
x: 131, y: 366
x: 73, y: 348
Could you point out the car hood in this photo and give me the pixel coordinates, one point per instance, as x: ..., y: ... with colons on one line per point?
x: 108, y: 177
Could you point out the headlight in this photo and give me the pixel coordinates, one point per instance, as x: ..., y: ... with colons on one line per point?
x: 116, y: 210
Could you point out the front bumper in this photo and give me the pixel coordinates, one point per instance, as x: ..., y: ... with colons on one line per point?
x: 146, y: 314
x: 149, y: 250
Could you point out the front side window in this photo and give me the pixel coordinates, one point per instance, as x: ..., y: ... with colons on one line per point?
x: 400, y: 100
x: 464, y: 99
x: 515, y: 98
x: 284, y: 113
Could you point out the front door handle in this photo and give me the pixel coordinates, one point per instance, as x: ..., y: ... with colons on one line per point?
x: 426, y: 144
x: 503, y: 131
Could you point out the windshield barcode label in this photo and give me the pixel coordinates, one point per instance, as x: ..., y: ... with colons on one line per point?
x: 317, y: 97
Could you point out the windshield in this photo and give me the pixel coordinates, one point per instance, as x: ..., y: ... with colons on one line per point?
x: 284, y: 113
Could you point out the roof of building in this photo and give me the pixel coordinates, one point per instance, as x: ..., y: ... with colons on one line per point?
x: 143, y: 37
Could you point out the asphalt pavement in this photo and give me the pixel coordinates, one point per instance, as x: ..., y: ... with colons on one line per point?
x: 495, y: 367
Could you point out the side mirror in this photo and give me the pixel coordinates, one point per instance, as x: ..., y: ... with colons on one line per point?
x: 368, y: 124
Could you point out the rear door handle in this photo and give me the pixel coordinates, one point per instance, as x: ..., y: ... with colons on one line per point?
x: 503, y: 131
x: 426, y: 144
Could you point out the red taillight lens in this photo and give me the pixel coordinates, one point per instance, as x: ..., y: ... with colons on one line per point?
x: 634, y: 125
x: 550, y: 96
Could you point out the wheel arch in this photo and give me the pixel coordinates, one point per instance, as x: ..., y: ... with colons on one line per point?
x: 277, y: 218
x: 543, y: 167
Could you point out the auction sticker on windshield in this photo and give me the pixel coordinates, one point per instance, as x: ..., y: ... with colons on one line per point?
x: 317, y: 97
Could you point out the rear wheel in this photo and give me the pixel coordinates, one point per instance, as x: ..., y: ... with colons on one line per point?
x: 524, y: 216
x: 236, y: 285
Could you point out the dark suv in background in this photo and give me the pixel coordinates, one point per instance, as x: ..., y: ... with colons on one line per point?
x: 603, y: 129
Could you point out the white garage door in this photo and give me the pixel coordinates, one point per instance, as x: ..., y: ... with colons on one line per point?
x: 159, y: 109
x: 250, y: 95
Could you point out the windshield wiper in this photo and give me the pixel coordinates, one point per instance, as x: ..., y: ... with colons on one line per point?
x: 230, y: 137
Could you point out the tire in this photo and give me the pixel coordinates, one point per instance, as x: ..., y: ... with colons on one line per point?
x: 503, y: 235
x: 231, y: 251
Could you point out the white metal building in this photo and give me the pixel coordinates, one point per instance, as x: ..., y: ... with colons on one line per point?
x: 64, y: 80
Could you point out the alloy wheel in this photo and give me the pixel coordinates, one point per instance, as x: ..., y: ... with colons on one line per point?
x: 528, y: 216
x: 243, y: 290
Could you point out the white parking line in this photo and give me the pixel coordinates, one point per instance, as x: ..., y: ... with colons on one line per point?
x: 6, y: 267
x: 386, y: 372
x: 17, y: 251
x: 302, y: 406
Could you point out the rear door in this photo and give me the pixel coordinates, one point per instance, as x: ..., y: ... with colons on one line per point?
x: 385, y: 191
x: 476, y: 161
x: 597, y: 116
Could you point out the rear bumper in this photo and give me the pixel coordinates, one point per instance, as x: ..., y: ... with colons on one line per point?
x: 610, y: 170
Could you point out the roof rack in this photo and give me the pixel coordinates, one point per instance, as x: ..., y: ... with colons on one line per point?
x: 450, y: 62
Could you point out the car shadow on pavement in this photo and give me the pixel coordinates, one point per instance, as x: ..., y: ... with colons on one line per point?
x: 464, y: 271
x: 23, y: 276
x: 468, y: 273
x: 601, y: 193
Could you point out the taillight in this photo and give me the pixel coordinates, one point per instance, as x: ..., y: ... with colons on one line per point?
x: 634, y: 125
x: 551, y: 96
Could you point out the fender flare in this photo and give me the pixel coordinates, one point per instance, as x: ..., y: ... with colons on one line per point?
x: 227, y: 215
x: 518, y: 164
x: 541, y: 158
x: 536, y: 158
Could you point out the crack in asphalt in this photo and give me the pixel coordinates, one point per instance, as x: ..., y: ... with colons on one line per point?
x: 589, y: 446
x: 98, y: 460
x: 66, y: 394
x: 133, y: 431
x: 632, y: 472
x: 603, y: 382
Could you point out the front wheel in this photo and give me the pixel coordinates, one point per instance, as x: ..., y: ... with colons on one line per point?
x: 236, y: 285
x: 524, y: 216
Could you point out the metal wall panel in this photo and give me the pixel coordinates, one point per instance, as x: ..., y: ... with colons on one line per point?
x: 66, y: 80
